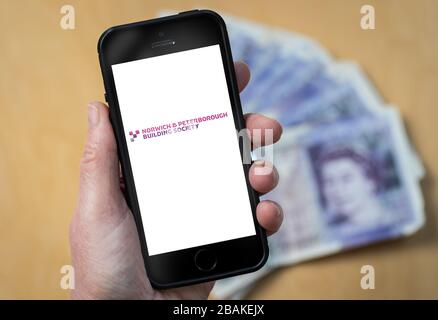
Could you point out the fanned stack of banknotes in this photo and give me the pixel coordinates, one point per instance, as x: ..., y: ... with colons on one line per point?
x: 348, y: 174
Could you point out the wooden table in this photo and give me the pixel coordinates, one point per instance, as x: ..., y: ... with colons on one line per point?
x: 48, y: 75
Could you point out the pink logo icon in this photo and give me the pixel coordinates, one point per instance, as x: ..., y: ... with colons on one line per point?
x: 134, y: 134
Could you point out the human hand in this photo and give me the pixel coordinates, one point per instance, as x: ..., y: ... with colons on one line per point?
x: 104, y: 241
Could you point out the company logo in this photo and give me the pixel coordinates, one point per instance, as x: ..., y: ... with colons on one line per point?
x: 177, y: 127
x: 134, y: 135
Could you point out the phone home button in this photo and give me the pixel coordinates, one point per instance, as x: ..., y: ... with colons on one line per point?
x: 205, y: 260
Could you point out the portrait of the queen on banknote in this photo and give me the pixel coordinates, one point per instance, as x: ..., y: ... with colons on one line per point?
x: 348, y: 183
x: 353, y: 183
x: 363, y: 194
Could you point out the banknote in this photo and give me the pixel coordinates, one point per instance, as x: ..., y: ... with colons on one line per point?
x: 357, y: 185
x: 280, y: 63
x: 349, y: 174
x: 294, y: 80
x: 339, y: 92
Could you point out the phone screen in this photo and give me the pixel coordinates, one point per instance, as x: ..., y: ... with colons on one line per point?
x: 183, y: 148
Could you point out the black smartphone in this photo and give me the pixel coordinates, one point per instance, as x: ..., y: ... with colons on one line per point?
x: 175, y: 109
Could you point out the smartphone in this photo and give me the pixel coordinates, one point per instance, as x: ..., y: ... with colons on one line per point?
x: 175, y: 110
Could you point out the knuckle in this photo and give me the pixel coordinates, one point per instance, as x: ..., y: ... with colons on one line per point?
x: 90, y: 154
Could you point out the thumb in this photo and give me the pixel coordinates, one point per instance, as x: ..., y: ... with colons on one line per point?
x: 99, y: 184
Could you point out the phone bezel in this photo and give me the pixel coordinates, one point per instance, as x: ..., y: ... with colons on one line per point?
x: 190, y: 30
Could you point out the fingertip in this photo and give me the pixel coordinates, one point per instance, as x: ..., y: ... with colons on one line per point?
x: 243, y: 74
x: 270, y: 216
x: 101, y: 107
x: 98, y: 115
x: 263, y: 176
x: 255, y: 121
x: 98, y: 104
x: 100, y: 144
x: 278, y: 129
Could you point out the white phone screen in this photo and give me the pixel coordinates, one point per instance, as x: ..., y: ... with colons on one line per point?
x: 183, y: 149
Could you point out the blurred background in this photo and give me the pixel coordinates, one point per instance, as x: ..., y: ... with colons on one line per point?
x: 49, y: 74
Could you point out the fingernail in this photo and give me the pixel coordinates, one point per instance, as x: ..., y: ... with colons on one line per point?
x: 277, y: 176
x: 278, y: 212
x: 259, y: 163
x: 241, y: 62
x: 93, y: 115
